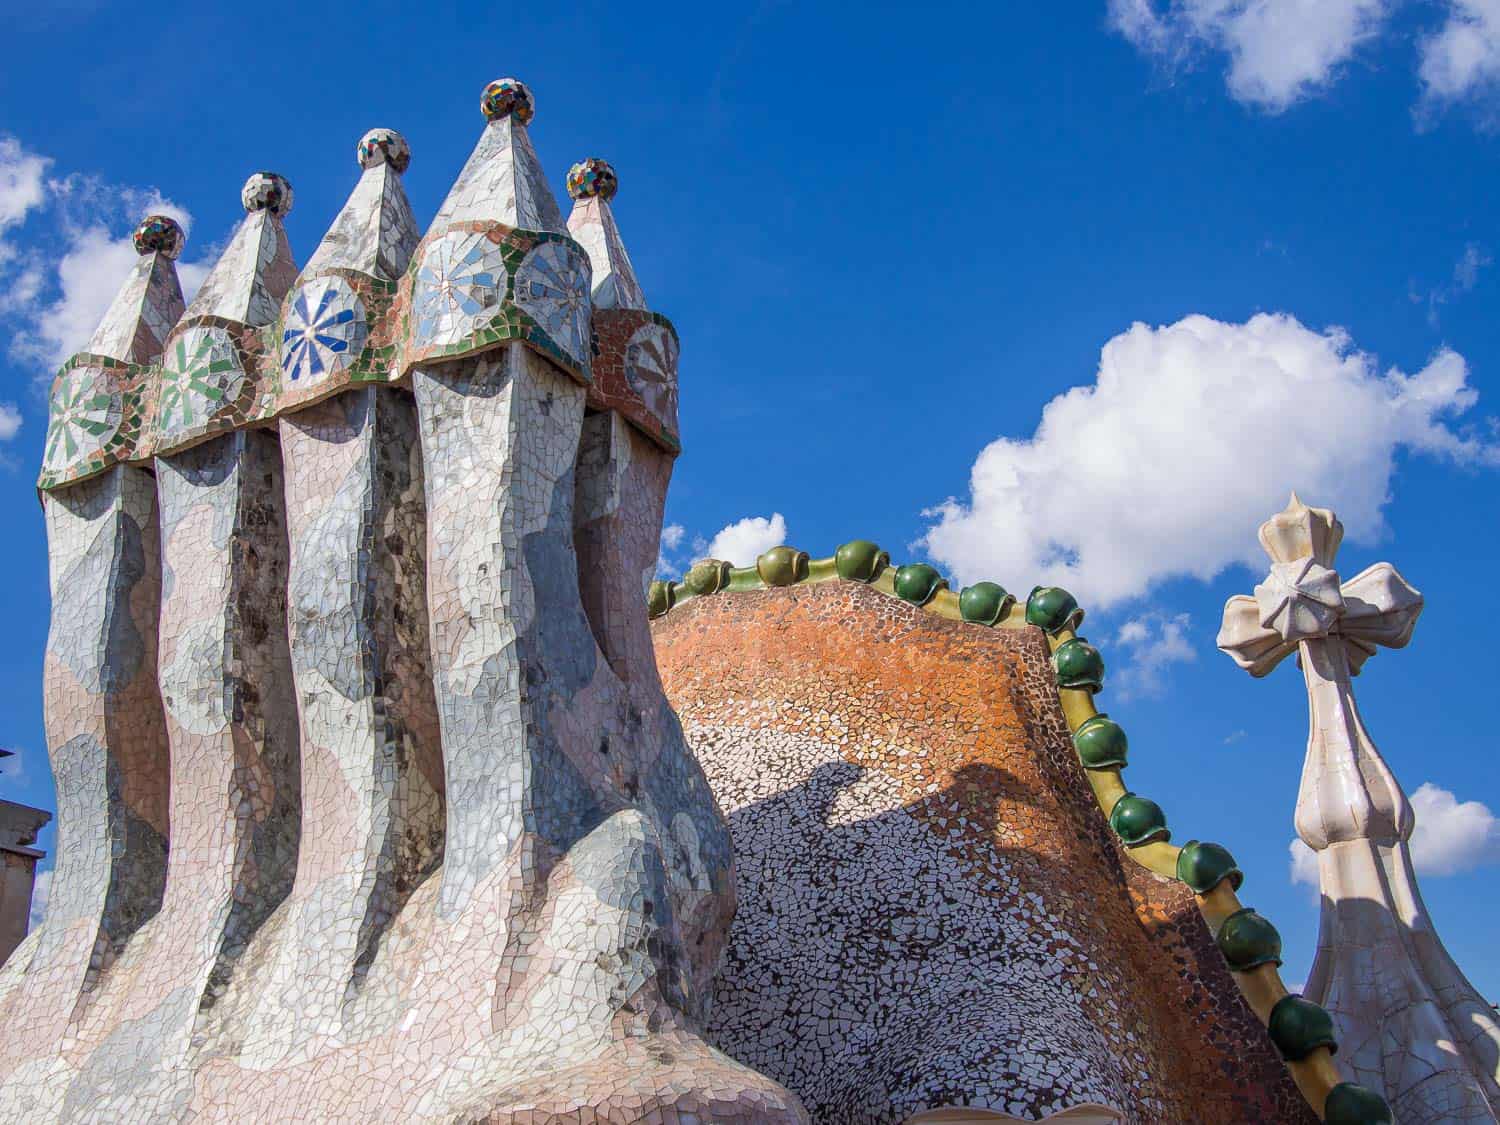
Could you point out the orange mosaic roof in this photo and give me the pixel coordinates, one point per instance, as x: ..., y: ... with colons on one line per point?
x: 1019, y: 960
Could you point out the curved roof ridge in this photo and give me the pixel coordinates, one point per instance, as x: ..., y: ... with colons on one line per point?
x: 1301, y: 1030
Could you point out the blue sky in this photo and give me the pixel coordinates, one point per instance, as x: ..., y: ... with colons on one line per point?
x: 906, y: 253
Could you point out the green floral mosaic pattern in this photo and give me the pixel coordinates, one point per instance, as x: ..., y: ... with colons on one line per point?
x: 83, y: 417
x: 469, y: 290
x: 93, y: 418
x: 201, y: 378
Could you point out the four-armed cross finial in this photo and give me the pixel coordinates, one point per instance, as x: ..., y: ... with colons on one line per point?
x: 1301, y: 599
x: 1409, y: 1023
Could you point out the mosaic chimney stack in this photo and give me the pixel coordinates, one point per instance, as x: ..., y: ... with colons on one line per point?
x: 620, y: 497
x: 106, y: 732
x: 224, y: 666
x: 370, y: 801
x: 1408, y: 1021
x: 371, y: 762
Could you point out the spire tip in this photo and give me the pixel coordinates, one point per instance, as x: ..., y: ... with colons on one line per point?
x: 266, y: 191
x: 593, y: 177
x: 159, y: 234
x: 383, y: 146
x: 508, y: 97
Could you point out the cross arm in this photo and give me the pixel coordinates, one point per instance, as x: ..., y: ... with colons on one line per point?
x: 1253, y: 646
x: 1379, y: 609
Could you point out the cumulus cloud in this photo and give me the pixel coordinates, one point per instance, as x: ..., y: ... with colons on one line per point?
x: 22, y: 187
x: 1279, y: 51
x: 743, y: 542
x: 1151, y: 644
x: 1462, y: 58
x: 740, y: 543
x: 1191, y: 435
x: 61, y: 303
x: 1143, y: 25
x: 57, y: 279
x: 1450, y: 837
x: 40, y: 892
x: 1304, y: 864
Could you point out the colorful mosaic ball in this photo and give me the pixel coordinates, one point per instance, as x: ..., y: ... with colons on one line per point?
x: 384, y: 146
x: 592, y: 177
x: 159, y: 234
x: 508, y: 96
x: 266, y: 191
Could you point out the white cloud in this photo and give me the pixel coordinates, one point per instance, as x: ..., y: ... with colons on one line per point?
x: 1280, y: 51
x: 1450, y: 837
x: 1192, y: 434
x: 740, y: 543
x: 1465, y: 277
x: 1466, y: 271
x: 94, y: 260
x: 41, y: 890
x: 1304, y: 864
x: 668, y: 563
x: 88, y: 275
x: 1462, y: 59
x: 1151, y: 644
x: 22, y: 186
x: 58, y: 284
x: 1139, y: 21
x: 743, y: 542
x: 1236, y: 736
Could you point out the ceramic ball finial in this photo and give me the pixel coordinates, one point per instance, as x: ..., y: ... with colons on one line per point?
x: 383, y: 146
x: 266, y: 191
x: 159, y: 234
x: 593, y: 177
x: 508, y: 97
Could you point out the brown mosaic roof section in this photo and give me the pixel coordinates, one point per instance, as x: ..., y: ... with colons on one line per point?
x: 915, y: 720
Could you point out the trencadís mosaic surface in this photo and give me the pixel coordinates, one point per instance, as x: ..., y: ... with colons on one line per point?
x: 374, y: 300
x: 372, y: 806
x: 930, y: 903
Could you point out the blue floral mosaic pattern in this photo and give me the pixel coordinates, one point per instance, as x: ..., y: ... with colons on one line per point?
x: 459, y: 286
x: 324, y: 331
x: 201, y: 375
x: 552, y: 287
